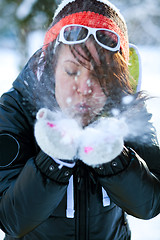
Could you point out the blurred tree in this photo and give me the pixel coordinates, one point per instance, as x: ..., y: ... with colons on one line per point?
x: 143, y: 20
x: 20, y: 18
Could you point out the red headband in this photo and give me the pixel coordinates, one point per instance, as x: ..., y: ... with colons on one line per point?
x: 89, y: 19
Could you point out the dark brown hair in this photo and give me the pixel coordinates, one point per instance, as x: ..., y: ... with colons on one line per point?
x: 113, y: 76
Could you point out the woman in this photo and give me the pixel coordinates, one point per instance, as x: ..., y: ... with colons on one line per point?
x: 64, y: 174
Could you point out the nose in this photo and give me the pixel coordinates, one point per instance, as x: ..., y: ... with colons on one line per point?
x: 84, y: 86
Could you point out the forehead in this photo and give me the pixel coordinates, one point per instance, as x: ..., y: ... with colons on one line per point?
x: 78, y: 54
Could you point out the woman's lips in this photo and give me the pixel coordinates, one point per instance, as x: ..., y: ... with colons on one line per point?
x: 82, y: 107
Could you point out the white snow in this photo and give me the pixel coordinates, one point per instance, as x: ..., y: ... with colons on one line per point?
x: 25, y: 8
x: 141, y: 229
x: 8, y: 68
x: 35, y: 41
x: 127, y: 100
x: 69, y: 100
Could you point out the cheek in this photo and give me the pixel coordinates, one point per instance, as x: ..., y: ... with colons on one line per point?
x: 99, y: 95
x: 63, y: 92
x: 100, y: 100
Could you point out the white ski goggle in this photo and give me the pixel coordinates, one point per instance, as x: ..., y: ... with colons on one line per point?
x: 76, y: 34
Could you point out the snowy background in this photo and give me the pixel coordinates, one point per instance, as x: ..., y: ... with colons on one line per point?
x: 143, y: 20
x: 9, y: 61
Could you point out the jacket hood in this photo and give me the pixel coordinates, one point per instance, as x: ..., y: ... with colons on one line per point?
x: 36, y: 84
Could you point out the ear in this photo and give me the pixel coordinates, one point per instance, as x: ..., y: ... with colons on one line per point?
x: 135, y: 68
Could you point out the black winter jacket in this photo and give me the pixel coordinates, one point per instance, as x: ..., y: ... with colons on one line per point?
x: 33, y: 189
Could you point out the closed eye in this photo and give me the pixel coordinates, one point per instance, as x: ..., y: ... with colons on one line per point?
x: 71, y: 73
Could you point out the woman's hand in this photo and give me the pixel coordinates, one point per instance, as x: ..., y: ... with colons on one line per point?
x: 57, y: 136
x: 62, y: 138
x: 102, y: 141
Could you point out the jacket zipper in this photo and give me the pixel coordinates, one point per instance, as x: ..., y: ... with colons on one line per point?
x: 81, y: 198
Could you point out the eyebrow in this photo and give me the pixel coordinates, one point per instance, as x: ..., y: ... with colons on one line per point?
x: 76, y: 63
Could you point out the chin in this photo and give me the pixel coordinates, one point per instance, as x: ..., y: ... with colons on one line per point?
x: 84, y: 120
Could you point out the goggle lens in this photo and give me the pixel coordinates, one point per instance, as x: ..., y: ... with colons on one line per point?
x: 75, y: 33
x: 107, y: 38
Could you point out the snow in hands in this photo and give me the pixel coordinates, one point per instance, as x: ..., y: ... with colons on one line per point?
x: 62, y: 137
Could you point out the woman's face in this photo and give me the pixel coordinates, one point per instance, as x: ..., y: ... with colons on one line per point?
x: 77, y: 91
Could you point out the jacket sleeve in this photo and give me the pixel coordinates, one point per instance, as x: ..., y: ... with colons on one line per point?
x: 31, y: 183
x: 132, y: 182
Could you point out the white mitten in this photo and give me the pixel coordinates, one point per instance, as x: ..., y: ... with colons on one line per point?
x: 103, y: 141
x: 56, y: 134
